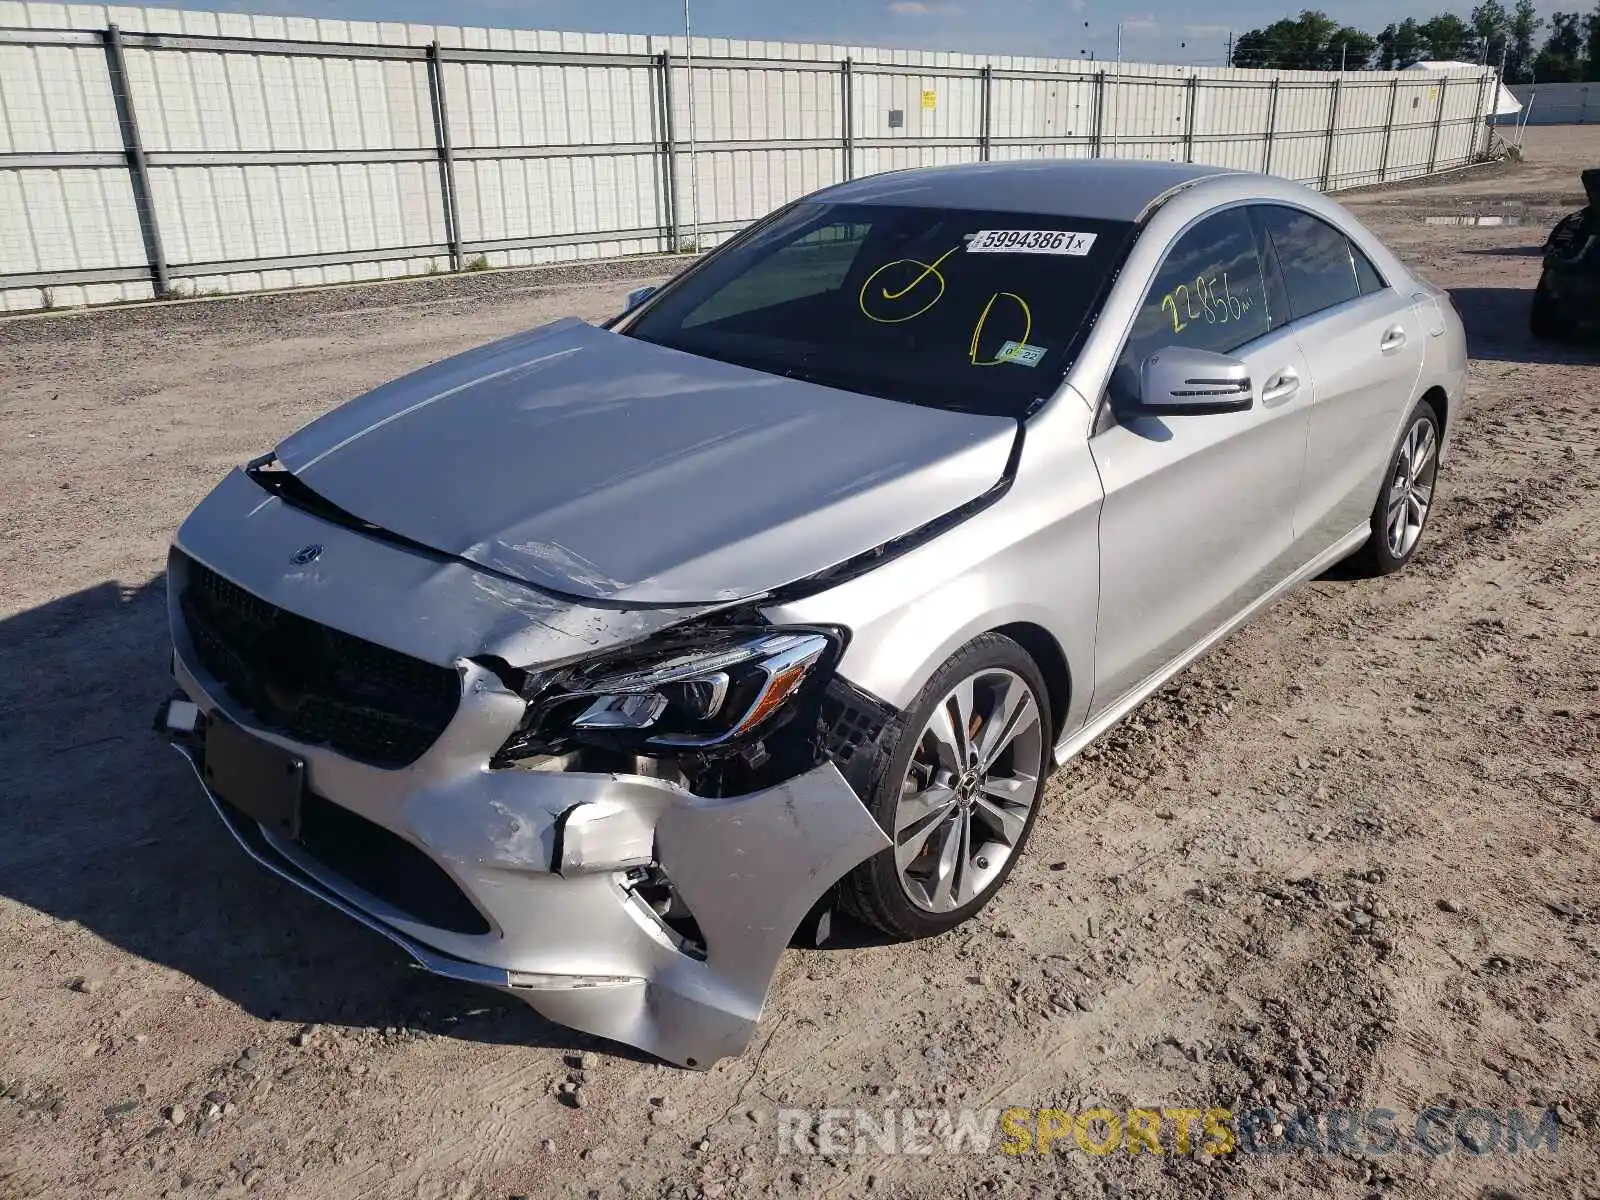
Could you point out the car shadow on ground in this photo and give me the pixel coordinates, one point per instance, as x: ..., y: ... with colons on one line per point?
x: 1508, y: 252
x: 104, y: 825
x: 1496, y: 321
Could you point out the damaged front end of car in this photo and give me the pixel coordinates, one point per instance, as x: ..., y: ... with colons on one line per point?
x: 620, y: 815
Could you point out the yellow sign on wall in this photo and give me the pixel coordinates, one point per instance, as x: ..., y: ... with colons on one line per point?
x: 930, y: 99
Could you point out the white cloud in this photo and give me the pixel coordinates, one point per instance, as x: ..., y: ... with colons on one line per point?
x: 1141, y: 26
x: 920, y: 8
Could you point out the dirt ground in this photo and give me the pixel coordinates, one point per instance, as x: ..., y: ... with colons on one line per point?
x: 1351, y: 859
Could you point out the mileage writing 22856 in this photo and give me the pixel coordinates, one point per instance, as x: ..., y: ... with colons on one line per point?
x: 1217, y: 306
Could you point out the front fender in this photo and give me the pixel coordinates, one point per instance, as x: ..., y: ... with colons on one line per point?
x: 1032, y: 557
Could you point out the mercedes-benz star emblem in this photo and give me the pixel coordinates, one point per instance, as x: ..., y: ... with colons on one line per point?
x: 306, y: 554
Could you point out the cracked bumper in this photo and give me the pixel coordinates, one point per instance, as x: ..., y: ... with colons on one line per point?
x: 544, y: 857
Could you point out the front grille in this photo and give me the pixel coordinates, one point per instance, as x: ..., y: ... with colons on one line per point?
x: 385, y: 865
x: 314, y: 684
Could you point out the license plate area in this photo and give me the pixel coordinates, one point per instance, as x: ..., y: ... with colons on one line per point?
x: 259, y: 779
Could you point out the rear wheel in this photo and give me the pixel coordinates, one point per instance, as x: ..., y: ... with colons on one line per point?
x: 1401, y: 513
x: 960, y: 794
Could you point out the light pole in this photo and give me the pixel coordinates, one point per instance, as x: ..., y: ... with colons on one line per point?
x: 694, y: 174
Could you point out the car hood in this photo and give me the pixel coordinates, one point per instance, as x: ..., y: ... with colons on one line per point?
x: 601, y: 466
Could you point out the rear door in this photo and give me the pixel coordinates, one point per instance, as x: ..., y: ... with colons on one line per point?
x: 1364, y: 342
x: 1197, y: 518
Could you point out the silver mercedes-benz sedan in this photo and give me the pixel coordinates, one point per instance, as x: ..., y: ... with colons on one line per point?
x: 592, y: 664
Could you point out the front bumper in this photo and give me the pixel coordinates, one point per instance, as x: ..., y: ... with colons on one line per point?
x: 1574, y: 290
x: 547, y: 858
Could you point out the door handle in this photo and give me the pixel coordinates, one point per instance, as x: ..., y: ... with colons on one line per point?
x: 1393, y: 338
x: 1282, y: 387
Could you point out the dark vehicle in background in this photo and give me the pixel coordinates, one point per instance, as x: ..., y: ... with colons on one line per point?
x: 1567, y: 300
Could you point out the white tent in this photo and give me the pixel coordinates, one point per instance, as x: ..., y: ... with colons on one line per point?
x: 1507, y: 105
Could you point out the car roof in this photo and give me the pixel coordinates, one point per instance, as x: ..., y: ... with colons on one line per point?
x: 1099, y: 188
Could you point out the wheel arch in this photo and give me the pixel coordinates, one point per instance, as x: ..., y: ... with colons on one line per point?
x: 1440, y: 402
x: 1041, y: 646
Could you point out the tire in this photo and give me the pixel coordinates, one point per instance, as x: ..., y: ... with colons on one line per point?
x: 1396, y: 536
x: 1544, y: 319
x: 971, y: 825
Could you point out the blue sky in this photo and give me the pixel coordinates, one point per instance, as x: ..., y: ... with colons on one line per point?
x: 1159, y: 30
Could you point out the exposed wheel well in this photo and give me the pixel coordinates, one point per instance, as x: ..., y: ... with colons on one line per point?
x: 1436, y: 397
x: 1045, y: 651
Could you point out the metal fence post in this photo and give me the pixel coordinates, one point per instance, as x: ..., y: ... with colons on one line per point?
x: 983, y: 113
x: 669, y: 151
x: 138, y: 167
x: 1438, y: 124
x: 847, y: 86
x: 1333, y: 129
x: 1484, y: 113
x: 1272, y: 126
x: 1388, y: 129
x: 1193, y: 87
x: 1099, y: 113
x: 447, y: 159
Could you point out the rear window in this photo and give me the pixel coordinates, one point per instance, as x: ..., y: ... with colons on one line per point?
x: 963, y: 309
x: 1315, y: 259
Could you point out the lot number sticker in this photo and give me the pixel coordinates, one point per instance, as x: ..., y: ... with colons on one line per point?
x: 1030, y: 241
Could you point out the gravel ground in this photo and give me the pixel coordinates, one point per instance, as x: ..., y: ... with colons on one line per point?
x: 1348, y: 860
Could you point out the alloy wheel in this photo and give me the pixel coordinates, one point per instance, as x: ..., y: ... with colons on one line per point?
x: 1411, y: 487
x: 968, y: 790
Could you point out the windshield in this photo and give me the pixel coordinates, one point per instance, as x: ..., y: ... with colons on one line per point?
x: 960, y: 309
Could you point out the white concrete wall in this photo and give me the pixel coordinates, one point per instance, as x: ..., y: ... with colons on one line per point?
x: 1558, y: 103
x: 253, y: 157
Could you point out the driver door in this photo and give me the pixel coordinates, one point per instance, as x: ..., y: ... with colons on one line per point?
x: 1197, y: 520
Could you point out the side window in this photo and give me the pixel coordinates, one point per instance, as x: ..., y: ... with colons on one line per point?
x: 1316, y: 260
x: 1367, y: 277
x: 1208, y: 294
x: 808, y: 266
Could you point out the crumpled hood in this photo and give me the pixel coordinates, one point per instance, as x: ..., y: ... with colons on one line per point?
x: 605, y: 467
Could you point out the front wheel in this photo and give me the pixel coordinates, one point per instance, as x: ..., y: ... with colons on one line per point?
x: 1544, y: 318
x: 1401, y: 512
x: 960, y: 793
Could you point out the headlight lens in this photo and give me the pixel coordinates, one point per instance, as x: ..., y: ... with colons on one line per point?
x: 697, y: 692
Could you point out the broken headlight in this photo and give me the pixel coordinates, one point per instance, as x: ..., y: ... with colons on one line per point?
x: 705, y: 692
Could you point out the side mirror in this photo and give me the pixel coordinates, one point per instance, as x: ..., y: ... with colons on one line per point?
x: 639, y: 295
x: 1183, y: 381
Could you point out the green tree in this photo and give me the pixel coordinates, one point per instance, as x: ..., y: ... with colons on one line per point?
x: 1591, y: 66
x: 1561, y: 60
x: 1490, y: 23
x: 1251, y: 50
x: 1409, y: 44
x: 1447, y: 36
x: 1351, y: 49
x: 1383, y: 50
x: 1525, y: 26
x: 1297, y: 44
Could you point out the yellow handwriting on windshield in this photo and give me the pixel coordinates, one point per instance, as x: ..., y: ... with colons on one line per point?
x: 977, y: 330
x: 929, y: 272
